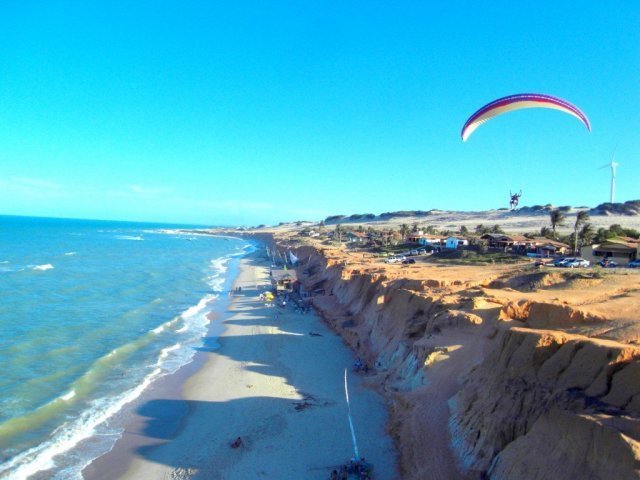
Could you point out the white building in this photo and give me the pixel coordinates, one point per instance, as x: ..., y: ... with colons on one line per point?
x: 455, y: 242
x: 425, y: 239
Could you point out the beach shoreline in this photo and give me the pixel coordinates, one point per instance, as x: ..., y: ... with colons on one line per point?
x: 266, y: 381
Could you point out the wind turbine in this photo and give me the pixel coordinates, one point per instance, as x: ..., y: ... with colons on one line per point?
x: 613, y: 166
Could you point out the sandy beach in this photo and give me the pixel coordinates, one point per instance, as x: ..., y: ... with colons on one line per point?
x: 269, y: 382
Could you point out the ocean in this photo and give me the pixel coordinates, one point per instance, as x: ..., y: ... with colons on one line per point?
x: 91, y: 313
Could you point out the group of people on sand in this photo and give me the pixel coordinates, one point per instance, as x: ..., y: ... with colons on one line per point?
x: 356, y: 466
x: 234, y: 291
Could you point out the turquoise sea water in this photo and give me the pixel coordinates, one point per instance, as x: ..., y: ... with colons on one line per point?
x: 91, y: 313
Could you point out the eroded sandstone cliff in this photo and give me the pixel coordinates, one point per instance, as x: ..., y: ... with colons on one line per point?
x: 485, y: 380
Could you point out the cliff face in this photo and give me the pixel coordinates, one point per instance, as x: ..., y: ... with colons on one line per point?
x: 476, y: 387
x: 542, y: 391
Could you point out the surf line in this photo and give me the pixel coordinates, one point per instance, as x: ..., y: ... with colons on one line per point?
x: 353, y: 432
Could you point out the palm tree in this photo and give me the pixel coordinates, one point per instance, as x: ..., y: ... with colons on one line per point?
x: 581, y: 219
x: 557, y: 219
x: 587, y: 232
x: 338, y: 232
x: 546, y: 232
x: 404, y: 231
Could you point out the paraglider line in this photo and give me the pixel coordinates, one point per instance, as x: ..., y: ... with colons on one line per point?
x: 353, y: 432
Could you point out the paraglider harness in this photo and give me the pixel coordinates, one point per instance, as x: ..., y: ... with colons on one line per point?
x: 514, y: 199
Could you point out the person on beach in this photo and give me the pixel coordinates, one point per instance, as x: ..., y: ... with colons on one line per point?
x: 344, y: 475
x: 237, y: 443
x: 358, y: 365
x: 334, y: 475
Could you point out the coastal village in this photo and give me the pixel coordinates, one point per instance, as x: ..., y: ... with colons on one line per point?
x: 615, y: 246
x: 503, y: 351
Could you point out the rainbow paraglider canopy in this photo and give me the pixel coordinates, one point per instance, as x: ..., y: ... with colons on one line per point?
x: 517, y: 102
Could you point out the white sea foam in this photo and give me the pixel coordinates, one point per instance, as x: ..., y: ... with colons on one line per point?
x: 183, y: 329
x: 130, y: 237
x: 196, y: 309
x: 68, y: 396
x: 4, y: 269
x: 216, y: 280
x: 220, y: 264
x: 164, y: 353
x: 249, y: 248
x: 46, y: 266
x: 70, y: 254
x: 91, y: 422
x: 69, y: 435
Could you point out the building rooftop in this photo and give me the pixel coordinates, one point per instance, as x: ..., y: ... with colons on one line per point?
x: 281, y: 274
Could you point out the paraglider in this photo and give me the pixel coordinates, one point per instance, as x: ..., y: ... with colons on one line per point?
x: 515, y: 198
x: 517, y: 102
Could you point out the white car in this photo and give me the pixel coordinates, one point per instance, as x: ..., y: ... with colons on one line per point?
x: 395, y: 259
x: 577, y: 262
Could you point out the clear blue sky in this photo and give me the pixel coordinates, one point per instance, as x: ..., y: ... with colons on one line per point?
x: 258, y: 112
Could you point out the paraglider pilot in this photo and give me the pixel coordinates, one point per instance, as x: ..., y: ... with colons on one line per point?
x: 513, y: 202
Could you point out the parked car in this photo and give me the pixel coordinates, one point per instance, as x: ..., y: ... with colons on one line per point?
x: 577, y: 262
x: 422, y: 251
x: 408, y: 260
x: 634, y: 263
x: 608, y: 263
x: 562, y: 261
x: 395, y: 259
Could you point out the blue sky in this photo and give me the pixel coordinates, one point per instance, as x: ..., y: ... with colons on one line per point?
x: 259, y: 112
